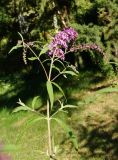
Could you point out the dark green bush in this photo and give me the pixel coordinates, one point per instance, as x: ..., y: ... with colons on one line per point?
x: 95, y: 20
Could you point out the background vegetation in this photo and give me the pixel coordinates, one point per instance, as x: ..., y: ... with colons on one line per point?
x: 95, y: 20
x: 95, y: 122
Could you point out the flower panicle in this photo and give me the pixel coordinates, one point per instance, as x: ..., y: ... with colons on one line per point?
x: 85, y: 47
x: 61, y: 41
x: 25, y: 48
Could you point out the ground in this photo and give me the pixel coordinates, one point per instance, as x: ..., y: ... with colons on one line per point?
x: 94, y: 122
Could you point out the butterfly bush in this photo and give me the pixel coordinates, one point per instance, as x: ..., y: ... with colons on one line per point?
x: 60, y: 42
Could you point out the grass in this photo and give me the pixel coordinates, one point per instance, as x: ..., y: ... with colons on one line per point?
x: 27, y: 139
x: 94, y: 121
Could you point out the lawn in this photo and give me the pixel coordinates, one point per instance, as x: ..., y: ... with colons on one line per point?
x: 94, y: 121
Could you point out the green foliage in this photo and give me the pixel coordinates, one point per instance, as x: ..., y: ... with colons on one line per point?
x: 96, y: 22
x: 32, y: 58
x: 15, y: 47
x: 4, y: 17
x: 70, y: 73
x: 22, y: 107
x: 50, y: 111
x: 34, y: 102
x: 44, y: 50
x: 59, y: 88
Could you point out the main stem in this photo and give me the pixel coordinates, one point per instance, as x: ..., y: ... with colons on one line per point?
x: 50, y: 152
x: 49, y: 131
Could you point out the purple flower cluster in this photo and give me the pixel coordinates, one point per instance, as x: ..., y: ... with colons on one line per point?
x: 60, y: 42
x: 85, y: 47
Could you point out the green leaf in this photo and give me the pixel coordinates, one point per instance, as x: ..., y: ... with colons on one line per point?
x: 116, y: 63
x: 73, y: 69
x: 46, y: 60
x: 61, y: 63
x: 56, y: 68
x: 70, y: 73
x: 69, y: 106
x: 21, y: 36
x: 15, y: 47
x: 32, y: 58
x: 34, y: 101
x: 21, y: 103
x: 50, y: 92
x: 60, y: 89
x: 36, y: 120
x: 21, y: 108
x: 44, y: 50
x: 62, y: 124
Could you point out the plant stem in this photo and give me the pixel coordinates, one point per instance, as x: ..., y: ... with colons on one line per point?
x: 49, y: 131
x: 50, y: 72
x: 37, y: 59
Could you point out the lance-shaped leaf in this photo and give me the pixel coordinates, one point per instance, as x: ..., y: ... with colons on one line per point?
x: 60, y: 62
x: 56, y: 68
x: 36, y: 120
x: 21, y: 103
x: 44, y: 50
x: 15, y: 47
x: 46, y: 60
x: 50, y: 92
x: 32, y: 58
x: 69, y: 106
x: 116, y: 63
x: 70, y: 73
x: 34, y: 101
x: 63, y: 124
x: 21, y: 36
x: 60, y: 89
x: 73, y: 68
x: 22, y: 107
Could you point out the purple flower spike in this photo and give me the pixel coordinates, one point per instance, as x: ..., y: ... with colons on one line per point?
x: 71, y: 33
x: 60, y: 42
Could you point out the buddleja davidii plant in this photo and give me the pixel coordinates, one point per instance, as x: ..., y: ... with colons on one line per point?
x: 56, y: 52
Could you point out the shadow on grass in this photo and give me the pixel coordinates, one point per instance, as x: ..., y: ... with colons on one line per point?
x: 99, y: 142
x: 23, y: 87
x: 84, y: 81
x: 98, y: 137
x: 27, y: 86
